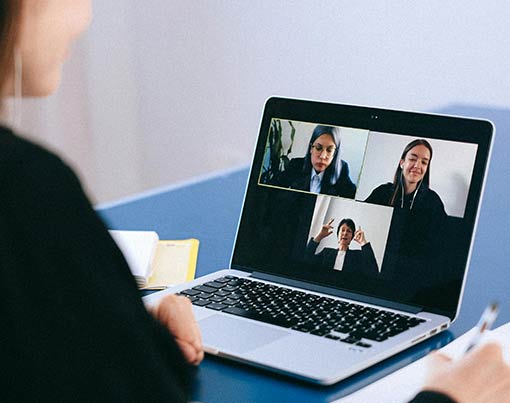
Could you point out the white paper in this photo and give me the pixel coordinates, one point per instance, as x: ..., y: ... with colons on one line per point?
x: 138, y: 247
x: 404, y: 384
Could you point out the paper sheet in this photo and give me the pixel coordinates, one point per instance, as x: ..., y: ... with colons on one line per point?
x: 404, y: 384
x: 138, y: 247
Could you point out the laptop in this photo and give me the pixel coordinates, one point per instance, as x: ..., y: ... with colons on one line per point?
x: 353, y: 242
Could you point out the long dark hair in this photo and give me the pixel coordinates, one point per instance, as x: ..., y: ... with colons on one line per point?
x: 332, y: 172
x: 397, y: 179
x: 10, y: 14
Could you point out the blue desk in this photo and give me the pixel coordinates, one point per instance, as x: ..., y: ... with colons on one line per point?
x: 209, y: 210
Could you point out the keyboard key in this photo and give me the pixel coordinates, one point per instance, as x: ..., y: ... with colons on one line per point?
x: 319, y: 332
x: 216, y: 306
x: 222, y: 280
x: 303, y: 328
x: 222, y: 293
x: 205, y: 288
x: 190, y: 292
x: 260, y: 317
x: 201, y: 302
x: 350, y: 340
x: 214, y: 284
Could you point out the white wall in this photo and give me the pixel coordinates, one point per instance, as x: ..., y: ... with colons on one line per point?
x: 164, y: 90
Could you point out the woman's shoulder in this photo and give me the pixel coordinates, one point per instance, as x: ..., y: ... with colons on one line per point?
x: 381, y: 194
x: 19, y: 155
x: 433, y: 199
x: 296, y: 163
x: 29, y: 170
x: 294, y: 168
x: 16, y: 148
x: 432, y: 194
x: 385, y: 187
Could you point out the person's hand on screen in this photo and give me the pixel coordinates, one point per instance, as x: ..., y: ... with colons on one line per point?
x: 359, y: 237
x: 326, y: 230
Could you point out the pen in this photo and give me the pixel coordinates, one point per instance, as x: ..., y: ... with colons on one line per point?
x: 488, y: 317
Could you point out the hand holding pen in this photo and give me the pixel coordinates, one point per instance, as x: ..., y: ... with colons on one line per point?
x: 480, y: 376
x: 486, y: 321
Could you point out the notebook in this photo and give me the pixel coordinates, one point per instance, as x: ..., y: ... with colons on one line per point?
x: 139, y: 249
x: 353, y: 242
x: 154, y: 263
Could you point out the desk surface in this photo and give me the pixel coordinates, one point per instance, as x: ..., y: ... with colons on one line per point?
x: 209, y: 210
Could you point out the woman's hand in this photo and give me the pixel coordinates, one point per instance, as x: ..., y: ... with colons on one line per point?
x: 175, y: 312
x: 480, y: 376
x: 359, y: 237
x: 326, y: 230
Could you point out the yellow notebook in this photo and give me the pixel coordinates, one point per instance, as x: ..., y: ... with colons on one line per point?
x: 157, y: 264
x: 174, y: 263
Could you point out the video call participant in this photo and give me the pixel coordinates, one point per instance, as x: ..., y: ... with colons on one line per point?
x: 342, y: 258
x: 321, y: 170
x: 412, y: 256
x: 411, y: 182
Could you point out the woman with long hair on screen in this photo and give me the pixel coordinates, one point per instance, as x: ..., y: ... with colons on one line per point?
x: 73, y: 326
x: 321, y: 170
x: 412, y: 250
x: 411, y: 183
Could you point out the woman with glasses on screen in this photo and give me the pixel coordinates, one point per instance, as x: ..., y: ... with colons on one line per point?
x: 321, y: 170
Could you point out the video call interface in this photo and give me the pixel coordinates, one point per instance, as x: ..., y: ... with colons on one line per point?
x: 364, y: 211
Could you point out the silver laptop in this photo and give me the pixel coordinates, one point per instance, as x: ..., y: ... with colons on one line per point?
x: 353, y: 242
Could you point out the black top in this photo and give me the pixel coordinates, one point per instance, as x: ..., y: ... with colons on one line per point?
x: 356, y: 261
x: 73, y: 326
x: 426, y: 199
x: 428, y: 396
x: 295, y: 177
x: 415, y: 238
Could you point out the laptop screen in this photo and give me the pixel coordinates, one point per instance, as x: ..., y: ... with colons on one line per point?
x: 374, y: 202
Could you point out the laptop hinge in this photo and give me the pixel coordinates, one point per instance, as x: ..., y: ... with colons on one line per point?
x: 338, y: 293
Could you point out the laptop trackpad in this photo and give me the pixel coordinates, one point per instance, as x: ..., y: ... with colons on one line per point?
x: 236, y: 335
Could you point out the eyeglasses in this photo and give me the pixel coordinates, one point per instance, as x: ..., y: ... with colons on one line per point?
x: 319, y: 148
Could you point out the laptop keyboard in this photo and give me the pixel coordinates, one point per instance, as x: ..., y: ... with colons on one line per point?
x: 321, y: 316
